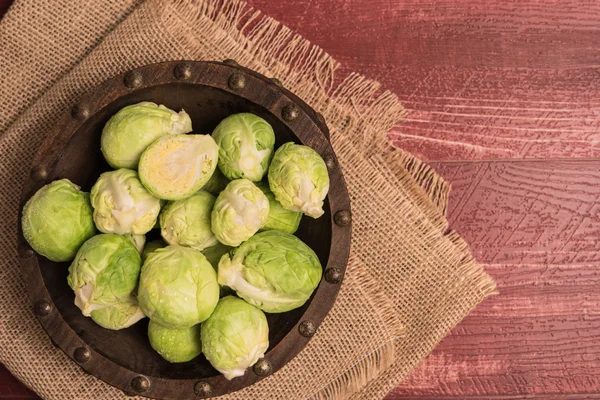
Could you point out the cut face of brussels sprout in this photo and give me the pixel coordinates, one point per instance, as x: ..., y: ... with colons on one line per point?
x: 139, y: 241
x: 57, y: 219
x: 235, y: 336
x: 178, y: 287
x: 239, y: 212
x: 299, y: 179
x: 175, y: 345
x: 151, y: 246
x: 279, y: 218
x: 273, y: 270
x: 122, y: 205
x: 187, y: 222
x: 246, y: 144
x: 130, y: 131
x: 104, y: 272
x: 120, y: 315
x: 216, y: 184
x: 176, y: 166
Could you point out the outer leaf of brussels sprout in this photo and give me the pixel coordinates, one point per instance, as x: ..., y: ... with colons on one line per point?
x: 104, y: 272
x: 151, y: 246
x: 122, y: 205
x: 273, y: 270
x: 175, y: 345
x: 214, y: 253
x: 279, y: 218
x: 178, y: 287
x: 187, y: 222
x: 176, y: 166
x: 120, y: 315
x: 57, y: 219
x: 239, y: 212
x: 131, y: 130
x: 216, y: 184
x: 299, y: 179
x: 235, y: 336
x: 246, y: 144
x: 139, y: 241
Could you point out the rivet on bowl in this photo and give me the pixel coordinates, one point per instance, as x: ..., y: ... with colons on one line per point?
x: 231, y: 62
x: 140, y: 384
x: 290, y: 112
x: 307, y: 329
x: 333, y: 275
x: 277, y: 82
x: 42, y: 308
x: 343, y: 218
x: 236, y: 81
x: 25, y: 251
x: 202, y: 389
x: 82, y: 355
x: 132, y: 79
x: 262, y: 367
x: 80, y: 112
x: 39, y: 173
x: 182, y: 71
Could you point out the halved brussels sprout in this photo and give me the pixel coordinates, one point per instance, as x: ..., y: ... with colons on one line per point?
x: 273, y: 270
x: 104, y: 272
x: 239, y: 212
x: 235, y: 336
x: 120, y: 315
x: 246, y: 144
x: 176, y: 166
x: 216, y: 184
x: 57, y: 219
x: 187, y: 222
x: 122, y: 205
x: 299, y: 179
x: 127, y: 133
x: 151, y: 246
x: 175, y: 345
x: 279, y: 218
x: 178, y: 287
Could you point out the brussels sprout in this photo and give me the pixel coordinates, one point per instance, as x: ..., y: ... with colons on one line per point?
x: 175, y: 345
x: 299, y: 180
x: 214, y: 253
x: 216, y: 184
x: 127, y: 134
x: 178, y: 287
x: 279, y: 218
x: 104, y: 271
x: 122, y: 205
x: 235, y: 336
x: 139, y: 241
x: 187, y: 222
x: 239, y: 212
x: 151, y: 246
x: 273, y: 270
x: 57, y: 219
x: 120, y: 315
x: 176, y: 166
x: 246, y: 144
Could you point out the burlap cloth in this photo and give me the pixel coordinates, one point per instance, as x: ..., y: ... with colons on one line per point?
x: 409, y: 280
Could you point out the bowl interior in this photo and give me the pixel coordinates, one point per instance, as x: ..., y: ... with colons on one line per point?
x: 81, y: 161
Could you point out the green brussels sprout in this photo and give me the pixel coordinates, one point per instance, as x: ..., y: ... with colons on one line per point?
x: 216, y: 184
x: 299, y: 180
x: 235, y: 336
x: 127, y: 134
x: 122, y: 205
x: 246, y: 144
x: 120, y: 315
x: 214, y: 253
x: 151, y: 246
x: 175, y: 345
x: 139, y: 241
x: 57, y: 219
x: 239, y: 212
x: 178, y: 287
x: 273, y: 270
x: 187, y: 222
x: 176, y: 166
x: 279, y: 218
x: 104, y: 272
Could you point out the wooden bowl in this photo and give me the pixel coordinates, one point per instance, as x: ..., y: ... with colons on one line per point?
x: 208, y: 91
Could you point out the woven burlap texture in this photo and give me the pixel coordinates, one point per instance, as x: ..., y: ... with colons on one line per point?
x: 425, y: 280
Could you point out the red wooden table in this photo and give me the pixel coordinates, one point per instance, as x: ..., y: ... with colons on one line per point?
x: 503, y: 100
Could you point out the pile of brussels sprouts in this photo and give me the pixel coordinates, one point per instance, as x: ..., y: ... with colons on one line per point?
x: 227, y: 206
